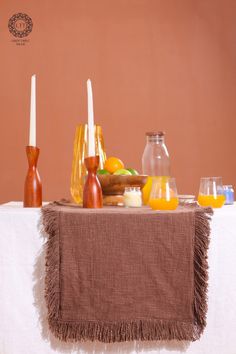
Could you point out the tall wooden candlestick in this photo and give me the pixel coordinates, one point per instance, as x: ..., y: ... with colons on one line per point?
x: 92, y: 195
x: 33, y: 185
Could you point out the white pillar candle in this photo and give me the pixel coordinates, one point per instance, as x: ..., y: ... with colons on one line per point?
x: 32, y: 132
x: 91, y: 140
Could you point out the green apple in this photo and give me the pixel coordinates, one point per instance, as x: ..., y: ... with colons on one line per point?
x: 132, y: 171
x: 122, y: 171
x: 103, y: 172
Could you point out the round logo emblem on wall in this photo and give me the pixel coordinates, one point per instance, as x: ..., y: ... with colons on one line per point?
x: 20, y: 25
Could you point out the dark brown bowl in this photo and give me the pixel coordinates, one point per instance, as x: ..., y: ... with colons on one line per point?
x: 115, y: 184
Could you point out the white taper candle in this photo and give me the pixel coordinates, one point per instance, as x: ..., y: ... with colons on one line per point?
x: 32, y: 132
x: 91, y: 140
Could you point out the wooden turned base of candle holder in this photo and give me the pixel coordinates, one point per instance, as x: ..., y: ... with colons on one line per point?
x: 92, y: 194
x: 33, y: 185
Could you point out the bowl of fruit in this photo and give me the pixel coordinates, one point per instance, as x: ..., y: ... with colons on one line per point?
x: 114, y: 178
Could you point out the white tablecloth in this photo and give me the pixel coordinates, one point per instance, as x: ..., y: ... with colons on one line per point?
x: 23, y: 326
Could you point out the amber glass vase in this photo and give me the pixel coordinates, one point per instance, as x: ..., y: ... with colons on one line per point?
x: 79, y: 170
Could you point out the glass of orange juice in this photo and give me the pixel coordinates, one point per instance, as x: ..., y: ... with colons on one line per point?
x: 163, y: 194
x: 211, y: 192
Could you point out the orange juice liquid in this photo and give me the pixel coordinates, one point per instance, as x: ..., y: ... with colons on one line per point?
x: 148, y: 187
x: 211, y: 200
x: 163, y: 204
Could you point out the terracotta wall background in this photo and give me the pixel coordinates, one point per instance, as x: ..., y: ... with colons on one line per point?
x: 155, y: 64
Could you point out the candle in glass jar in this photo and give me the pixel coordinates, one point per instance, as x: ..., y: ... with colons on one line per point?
x: 133, y: 197
x: 91, y: 139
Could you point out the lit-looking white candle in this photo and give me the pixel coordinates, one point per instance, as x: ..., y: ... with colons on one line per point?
x: 32, y: 132
x: 91, y: 140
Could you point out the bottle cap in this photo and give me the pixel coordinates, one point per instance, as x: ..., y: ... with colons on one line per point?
x: 159, y: 133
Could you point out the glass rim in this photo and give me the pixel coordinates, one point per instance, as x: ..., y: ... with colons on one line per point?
x: 164, y: 180
x: 211, y: 177
x: 86, y: 125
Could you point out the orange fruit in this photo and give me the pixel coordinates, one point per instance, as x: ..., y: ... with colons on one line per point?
x: 112, y: 164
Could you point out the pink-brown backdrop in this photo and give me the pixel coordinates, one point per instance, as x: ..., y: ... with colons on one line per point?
x: 155, y: 65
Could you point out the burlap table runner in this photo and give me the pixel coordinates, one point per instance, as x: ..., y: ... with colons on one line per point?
x: 119, y: 274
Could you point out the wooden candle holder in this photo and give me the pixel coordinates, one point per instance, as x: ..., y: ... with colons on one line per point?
x: 33, y: 185
x: 92, y: 195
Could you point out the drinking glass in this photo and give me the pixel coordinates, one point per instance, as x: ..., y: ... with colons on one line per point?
x: 163, y: 194
x: 79, y: 170
x: 211, y: 192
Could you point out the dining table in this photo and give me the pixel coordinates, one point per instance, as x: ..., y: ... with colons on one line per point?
x: 23, y: 312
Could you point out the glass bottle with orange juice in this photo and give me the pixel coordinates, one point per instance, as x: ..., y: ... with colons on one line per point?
x: 155, y: 161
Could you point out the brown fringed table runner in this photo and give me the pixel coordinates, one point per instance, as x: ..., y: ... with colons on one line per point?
x: 117, y: 274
